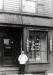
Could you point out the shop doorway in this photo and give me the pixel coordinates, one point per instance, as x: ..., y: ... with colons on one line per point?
x: 10, y: 45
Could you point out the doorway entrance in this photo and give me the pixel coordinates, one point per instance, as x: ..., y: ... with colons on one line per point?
x: 10, y: 45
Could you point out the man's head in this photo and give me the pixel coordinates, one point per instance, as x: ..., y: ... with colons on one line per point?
x: 22, y: 52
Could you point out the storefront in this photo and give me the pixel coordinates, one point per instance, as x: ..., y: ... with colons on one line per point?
x: 26, y: 25
x: 28, y: 33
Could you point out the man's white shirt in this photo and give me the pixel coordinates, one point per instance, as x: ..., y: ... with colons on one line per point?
x: 22, y: 59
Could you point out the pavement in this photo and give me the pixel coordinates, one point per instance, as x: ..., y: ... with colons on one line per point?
x: 49, y: 73
x: 16, y: 74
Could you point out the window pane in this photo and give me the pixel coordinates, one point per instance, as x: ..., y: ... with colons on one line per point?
x: 1, y: 4
x: 28, y: 6
x: 43, y: 57
x: 44, y: 43
x: 37, y: 46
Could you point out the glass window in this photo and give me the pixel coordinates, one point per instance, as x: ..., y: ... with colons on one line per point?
x: 1, y: 4
x: 37, y: 46
x: 29, y: 6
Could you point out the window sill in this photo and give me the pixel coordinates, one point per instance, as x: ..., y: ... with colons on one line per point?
x: 37, y: 63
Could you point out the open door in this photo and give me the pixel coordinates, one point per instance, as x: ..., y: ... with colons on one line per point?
x: 11, y: 46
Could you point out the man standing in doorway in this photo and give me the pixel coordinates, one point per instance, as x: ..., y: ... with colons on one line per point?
x: 22, y: 61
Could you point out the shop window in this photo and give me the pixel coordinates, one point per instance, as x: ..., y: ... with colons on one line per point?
x: 37, y: 46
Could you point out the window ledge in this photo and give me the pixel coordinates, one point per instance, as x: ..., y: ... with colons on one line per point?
x: 37, y: 63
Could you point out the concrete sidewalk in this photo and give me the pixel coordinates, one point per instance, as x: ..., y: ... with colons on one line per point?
x: 49, y: 73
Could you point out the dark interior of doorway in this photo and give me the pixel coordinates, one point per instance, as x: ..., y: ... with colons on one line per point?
x: 11, y: 45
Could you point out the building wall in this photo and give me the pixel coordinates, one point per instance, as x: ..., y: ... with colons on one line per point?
x: 50, y: 68
x: 39, y: 7
x: 27, y: 20
x: 44, y: 7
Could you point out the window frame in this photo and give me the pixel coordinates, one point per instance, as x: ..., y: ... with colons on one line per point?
x: 46, y: 32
